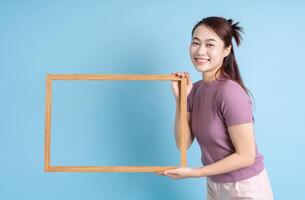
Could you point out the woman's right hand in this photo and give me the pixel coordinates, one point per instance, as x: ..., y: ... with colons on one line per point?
x: 175, y: 84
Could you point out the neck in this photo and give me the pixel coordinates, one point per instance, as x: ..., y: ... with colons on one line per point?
x: 210, y: 76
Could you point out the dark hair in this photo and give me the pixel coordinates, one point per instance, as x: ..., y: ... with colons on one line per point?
x: 225, y: 29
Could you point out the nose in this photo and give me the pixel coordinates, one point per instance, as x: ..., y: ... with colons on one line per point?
x: 201, y: 50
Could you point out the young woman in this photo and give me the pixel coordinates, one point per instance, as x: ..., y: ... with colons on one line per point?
x: 219, y: 113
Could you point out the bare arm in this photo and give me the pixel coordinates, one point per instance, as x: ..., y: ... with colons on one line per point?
x: 243, y: 139
x: 190, y: 136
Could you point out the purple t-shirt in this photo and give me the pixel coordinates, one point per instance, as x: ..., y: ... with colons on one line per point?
x: 214, y: 106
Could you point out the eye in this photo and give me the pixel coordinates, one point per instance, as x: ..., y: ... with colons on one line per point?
x: 195, y: 43
x: 210, y: 45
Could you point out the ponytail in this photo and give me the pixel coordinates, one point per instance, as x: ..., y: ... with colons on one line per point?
x: 230, y: 67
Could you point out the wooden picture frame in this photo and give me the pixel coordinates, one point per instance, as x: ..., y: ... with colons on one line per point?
x: 182, y: 125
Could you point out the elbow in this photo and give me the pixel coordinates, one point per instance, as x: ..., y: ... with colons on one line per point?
x: 246, y: 160
x: 189, y: 141
x: 249, y: 160
x: 188, y: 145
x: 179, y: 147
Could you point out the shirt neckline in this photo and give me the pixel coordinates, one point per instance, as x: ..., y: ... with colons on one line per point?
x: 213, y: 82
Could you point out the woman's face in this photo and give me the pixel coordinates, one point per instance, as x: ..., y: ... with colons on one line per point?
x: 207, y: 50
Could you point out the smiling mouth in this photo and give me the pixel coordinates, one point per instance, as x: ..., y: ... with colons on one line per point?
x: 201, y: 60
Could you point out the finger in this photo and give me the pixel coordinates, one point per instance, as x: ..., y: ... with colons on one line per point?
x: 188, y: 78
x: 181, y: 74
x: 160, y: 173
x: 171, y: 173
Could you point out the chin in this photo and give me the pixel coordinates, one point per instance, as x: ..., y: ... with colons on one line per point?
x: 201, y: 68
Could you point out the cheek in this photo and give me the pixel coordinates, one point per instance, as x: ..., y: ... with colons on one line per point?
x: 215, y: 54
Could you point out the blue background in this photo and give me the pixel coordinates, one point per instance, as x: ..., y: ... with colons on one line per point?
x: 130, y: 122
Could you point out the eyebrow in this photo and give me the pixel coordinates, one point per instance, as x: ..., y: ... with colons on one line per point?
x: 210, y: 39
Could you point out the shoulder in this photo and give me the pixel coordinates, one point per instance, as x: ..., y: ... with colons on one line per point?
x: 194, y: 91
x: 195, y: 86
x: 234, y: 104
x: 197, y: 83
x: 231, y: 90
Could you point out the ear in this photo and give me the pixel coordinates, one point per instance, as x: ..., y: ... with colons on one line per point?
x: 227, y: 50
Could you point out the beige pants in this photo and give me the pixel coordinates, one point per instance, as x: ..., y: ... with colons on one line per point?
x: 257, y: 187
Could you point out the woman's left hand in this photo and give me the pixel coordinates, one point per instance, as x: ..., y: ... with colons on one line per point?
x: 181, y: 172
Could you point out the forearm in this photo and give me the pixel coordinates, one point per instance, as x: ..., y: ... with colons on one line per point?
x: 228, y: 164
x: 189, y: 138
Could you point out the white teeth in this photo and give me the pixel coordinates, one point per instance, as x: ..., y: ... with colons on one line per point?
x: 202, y: 60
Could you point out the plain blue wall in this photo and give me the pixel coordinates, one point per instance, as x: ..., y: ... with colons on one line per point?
x: 40, y: 37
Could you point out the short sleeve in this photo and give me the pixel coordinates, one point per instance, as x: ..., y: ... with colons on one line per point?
x: 235, y: 104
x: 189, y: 104
x: 190, y: 98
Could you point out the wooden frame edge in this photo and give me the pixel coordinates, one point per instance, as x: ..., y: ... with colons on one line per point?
x: 48, y: 107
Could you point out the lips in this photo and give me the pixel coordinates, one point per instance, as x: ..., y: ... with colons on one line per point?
x: 201, y: 60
